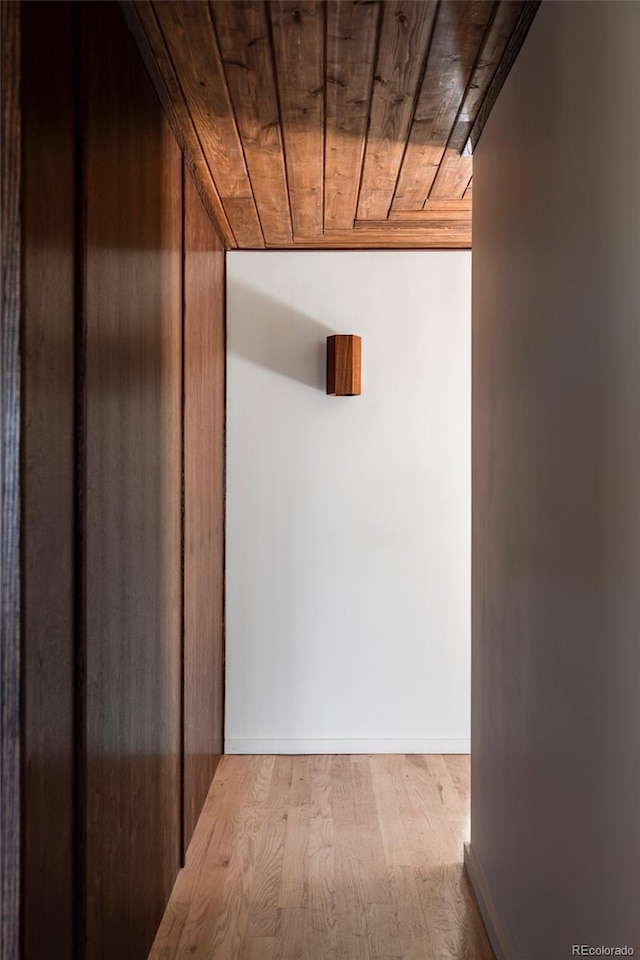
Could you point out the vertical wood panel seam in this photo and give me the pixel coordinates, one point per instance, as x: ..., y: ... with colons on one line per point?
x: 325, y: 84
x: 476, y: 62
x: 188, y: 110
x: 376, y: 55
x: 139, y: 32
x: 12, y: 759
x: 181, y: 776
x: 22, y: 507
x: 79, y: 499
x: 272, y: 57
x: 416, y: 101
x: 272, y: 50
x: 509, y: 56
x: 233, y: 118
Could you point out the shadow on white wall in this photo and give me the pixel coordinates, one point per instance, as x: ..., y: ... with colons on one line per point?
x: 273, y: 335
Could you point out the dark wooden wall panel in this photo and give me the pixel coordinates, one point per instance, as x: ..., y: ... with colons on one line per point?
x: 133, y: 295
x: 10, y: 639
x: 48, y: 98
x: 204, y: 424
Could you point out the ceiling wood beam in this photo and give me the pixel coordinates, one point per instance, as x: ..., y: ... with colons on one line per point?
x: 456, y: 209
x: 382, y: 238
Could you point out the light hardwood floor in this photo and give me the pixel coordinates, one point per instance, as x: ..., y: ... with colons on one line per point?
x: 328, y: 858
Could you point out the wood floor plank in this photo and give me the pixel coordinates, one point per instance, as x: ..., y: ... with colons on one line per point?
x: 258, y: 948
x: 218, y: 916
x: 458, y: 767
x: 293, y: 885
x: 320, y: 931
x: 414, y: 932
x: 351, y: 891
x: 263, y: 900
x: 371, y: 847
x: 388, y: 802
x: 328, y: 858
x: 230, y: 783
x: 290, y: 935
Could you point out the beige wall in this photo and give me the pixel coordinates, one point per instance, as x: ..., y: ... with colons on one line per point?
x: 556, y: 476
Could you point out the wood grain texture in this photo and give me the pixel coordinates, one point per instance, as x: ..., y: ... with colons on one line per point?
x: 512, y: 49
x: 352, y: 40
x: 432, y: 212
x: 245, y: 44
x: 455, y: 169
x: 328, y: 857
x: 143, y: 23
x: 308, y: 118
x: 402, y: 56
x: 10, y: 655
x: 191, y: 40
x: 458, y: 33
x: 299, y: 42
x: 48, y: 482
x: 344, y: 365
x: 133, y: 297
x: 399, y: 236
x: 204, y: 439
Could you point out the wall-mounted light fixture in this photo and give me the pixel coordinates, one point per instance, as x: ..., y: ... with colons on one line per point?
x: 344, y: 355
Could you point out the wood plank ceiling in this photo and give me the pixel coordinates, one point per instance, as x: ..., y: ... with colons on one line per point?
x: 332, y: 123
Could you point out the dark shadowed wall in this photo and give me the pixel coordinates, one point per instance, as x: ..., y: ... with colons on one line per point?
x: 123, y: 499
x: 133, y: 391
x: 49, y: 67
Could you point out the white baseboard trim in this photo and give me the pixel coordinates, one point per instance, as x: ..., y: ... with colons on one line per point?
x: 494, y: 928
x: 292, y: 746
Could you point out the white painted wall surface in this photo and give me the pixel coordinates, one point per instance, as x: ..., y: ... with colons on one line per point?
x: 348, y: 519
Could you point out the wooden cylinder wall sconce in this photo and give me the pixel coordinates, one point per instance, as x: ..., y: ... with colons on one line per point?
x: 344, y: 361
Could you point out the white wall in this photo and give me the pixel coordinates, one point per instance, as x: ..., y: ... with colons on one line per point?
x: 556, y: 475
x: 348, y: 519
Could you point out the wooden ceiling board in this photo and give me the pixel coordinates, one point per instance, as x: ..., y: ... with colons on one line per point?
x: 146, y: 31
x: 244, y: 36
x: 402, y: 54
x: 298, y: 28
x: 193, y: 46
x: 455, y: 168
x: 335, y: 124
x: 352, y: 42
x: 517, y: 38
x: 457, y: 36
